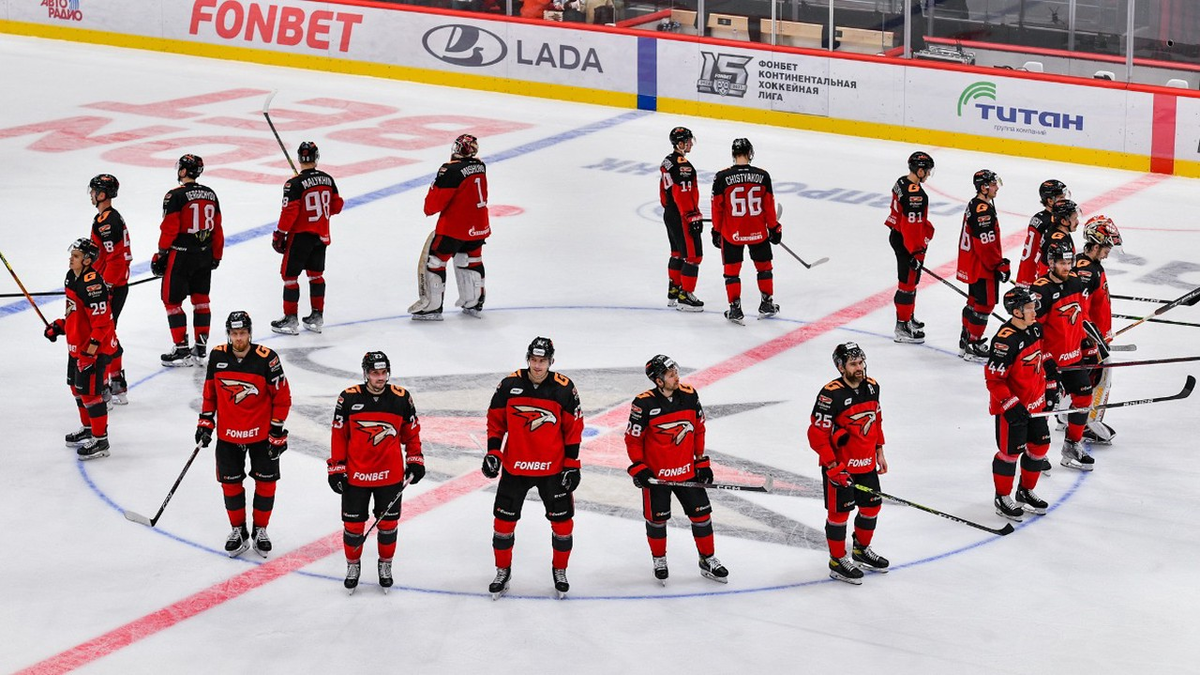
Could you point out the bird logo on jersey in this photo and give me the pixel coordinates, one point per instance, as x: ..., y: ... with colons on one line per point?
x: 1035, y: 358
x: 1071, y: 311
x: 869, y: 416
x: 535, y: 416
x: 238, y: 390
x: 679, y: 430
x: 377, y: 430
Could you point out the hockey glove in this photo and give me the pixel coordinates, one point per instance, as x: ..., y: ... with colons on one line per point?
x: 415, y: 469
x: 1004, y: 271
x: 491, y: 465
x: 716, y: 239
x: 1051, y: 368
x: 915, y: 261
x: 841, y: 437
x: 570, y: 479
x: 704, y: 472
x: 838, y: 475
x: 337, y: 475
x: 279, y: 241
x: 215, y: 263
x: 277, y: 440
x: 641, y: 475
x: 204, y: 429
x: 158, y: 263
x: 776, y: 235
x: 694, y: 221
x: 85, y: 370
x: 56, y: 328
x: 1052, y: 394
x: 1017, y: 415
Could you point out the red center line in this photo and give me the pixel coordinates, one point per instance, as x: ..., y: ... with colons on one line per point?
x: 262, y: 574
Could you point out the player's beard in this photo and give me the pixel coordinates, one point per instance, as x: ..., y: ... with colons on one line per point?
x: 855, y: 379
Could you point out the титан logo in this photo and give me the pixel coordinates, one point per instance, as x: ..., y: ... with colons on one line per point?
x: 1028, y: 120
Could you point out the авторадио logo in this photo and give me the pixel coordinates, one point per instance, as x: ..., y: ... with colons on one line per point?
x: 1028, y: 117
x: 462, y: 45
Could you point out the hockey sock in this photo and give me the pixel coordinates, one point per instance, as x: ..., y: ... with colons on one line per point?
x: 352, y: 540
x: 84, y: 419
x: 864, y: 524
x: 675, y: 270
x: 733, y: 281
x: 264, y: 502
x: 702, y: 532
x: 905, y: 301
x: 503, y: 538
x: 1077, y: 421
x: 387, y: 538
x: 291, y: 294
x: 656, y: 535
x: 177, y: 321
x: 1031, y: 465
x: 766, y: 279
x: 689, y: 274
x: 201, y: 316
x: 974, y: 321
x: 97, y: 413
x: 1004, y: 472
x: 316, y: 291
x: 235, y: 503
x: 835, y: 535
x: 116, y: 365
x: 561, y: 542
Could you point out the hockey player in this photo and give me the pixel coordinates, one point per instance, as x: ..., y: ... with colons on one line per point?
x: 1016, y: 383
x: 1050, y: 192
x: 981, y: 264
x: 743, y: 217
x: 370, y: 424
x: 1063, y: 223
x: 459, y: 195
x: 111, y: 237
x: 91, y: 344
x: 678, y: 192
x: 846, y: 431
x: 189, y: 249
x: 246, y: 402
x: 1062, y: 310
x: 534, y: 427
x: 310, y: 199
x: 910, y: 235
x: 665, y: 442
x: 1100, y: 236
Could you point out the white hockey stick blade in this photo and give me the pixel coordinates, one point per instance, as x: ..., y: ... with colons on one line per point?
x: 1122, y: 348
x: 819, y: 262
x: 267, y: 104
x: 138, y: 518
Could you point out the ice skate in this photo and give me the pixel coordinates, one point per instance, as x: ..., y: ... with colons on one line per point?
x: 1005, y: 506
x: 916, y: 323
x: 353, y: 570
x: 1098, y: 432
x: 660, y: 569
x: 907, y: 334
x: 499, y: 585
x: 767, y: 308
x: 385, y: 575
x: 561, y: 586
x: 238, y: 541
x: 1031, y: 502
x: 288, y: 325
x: 672, y: 295
x: 689, y: 302
x: 96, y: 448
x: 844, y: 569
x: 179, y: 356
x: 120, y: 389
x: 262, y: 543
x: 711, y: 568
x: 476, y: 310
x: 199, y: 354
x: 972, y: 351
x: 1075, y: 457
x: 79, y: 438
x: 866, y: 558
x: 428, y: 314
x: 735, y: 314
x: 314, y: 322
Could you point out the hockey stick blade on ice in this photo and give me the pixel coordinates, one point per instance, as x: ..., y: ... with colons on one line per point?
x: 1183, y: 393
x: 266, y: 111
x: 151, y: 522
x: 1189, y: 298
x: 768, y: 483
x: 801, y: 260
x: 1002, y: 531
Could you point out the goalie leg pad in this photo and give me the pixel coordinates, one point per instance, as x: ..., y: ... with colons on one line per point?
x: 433, y: 286
x: 470, y: 283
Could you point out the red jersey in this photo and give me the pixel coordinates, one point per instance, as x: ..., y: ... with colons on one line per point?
x: 247, y: 394
x: 192, y: 221
x: 857, y: 411
x: 1099, y: 303
x: 112, y: 238
x: 743, y: 204
x: 909, y: 215
x: 677, y: 188
x: 1062, y: 312
x: 368, y: 432
x: 89, y: 315
x: 979, y: 250
x: 1014, y: 372
x: 543, y: 424
x: 1053, y: 235
x: 666, y: 434
x: 460, y: 193
x: 1032, y: 266
x: 310, y: 198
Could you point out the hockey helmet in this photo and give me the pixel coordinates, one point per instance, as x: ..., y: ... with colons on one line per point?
x: 985, y: 177
x: 742, y: 147
x: 465, y: 145
x: 375, y: 361
x: 1018, y: 297
x: 1064, y: 209
x: 680, y: 135
x: 847, y: 351
x: 238, y: 319
x: 920, y: 160
x: 1053, y: 189
x: 658, y: 366
x: 541, y: 346
x: 1059, y: 250
x: 308, y: 153
x: 191, y: 164
x: 106, y: 183
x: 87, y: 247
x: 1101, y: 231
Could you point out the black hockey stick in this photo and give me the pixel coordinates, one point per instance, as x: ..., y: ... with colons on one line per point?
x: 151, y: 522
x: 1183, y: 393
x: 956, y: 289
x: 266, y: 111
x: 1188, y: 298
x: 1135, y: 298
x: 736, y: 487
x: 23, y: 291
x: 1006, y: 530
x: 18, y: 295
x: 1125, y: 316
x: 801, y: 260
x: 395, y: 500
x: 1119, y: 364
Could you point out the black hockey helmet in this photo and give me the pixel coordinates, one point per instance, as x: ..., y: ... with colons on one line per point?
x: 658, y: 366
x: 1064, y: 209
x: 87, y: 247
x: 1017, y: 298
x: 465, y: 145
x: 541, y: 346
x: 985, y: 177
x: 106, y: 183
x: 742, y: 147
x: 920, y: 160
x: 847, y: 351
x: 1101, y: 231
x: 680, y: 135
x: 308, y: 153
x: 1059, y: 250
x: 238, y: 319
x: 1053, y: 189
x: 375, y: 361
x: 191, y: 164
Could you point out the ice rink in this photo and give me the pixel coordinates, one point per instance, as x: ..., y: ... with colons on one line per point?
x: 1103, y: 583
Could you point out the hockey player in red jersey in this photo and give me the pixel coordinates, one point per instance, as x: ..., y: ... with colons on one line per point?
x: 846, y: 432
x: 665, y: 442
x: 981, y: 264
x: 310, y: 199
x: 91, y: 344
x: 1063, y: 223
x: 459, y: 196
x: 743, y: 217
x: 910, y: 235
x: 190, y: 245
x: 246, y: 402
x: 1050, y: 192
x: 1062, y: 311
x: 111, y: 237
x: 1016, y: 383
x: 371, y: 422
x: 1100, y: 236
x: 679, y: 194
x: 534, y: 428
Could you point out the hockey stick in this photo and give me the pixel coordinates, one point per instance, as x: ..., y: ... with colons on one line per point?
x: 395, y: 500
x: 735, y: 487
x: 267, y: 114
x: 18, y: 295
x: 801, y: 260
x: 1130, y: 316
x: 956, y: 289
x: 1147, y: 362
x: 23, y: 291
x: 1183, y: 393
x: 1006, y: 530
x: 1135, y: 298
x: 1122, y: 348
x: 151, y: 522
x: 1186, y: 299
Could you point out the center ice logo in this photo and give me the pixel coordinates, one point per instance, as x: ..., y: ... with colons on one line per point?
x: 1025, y: 120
